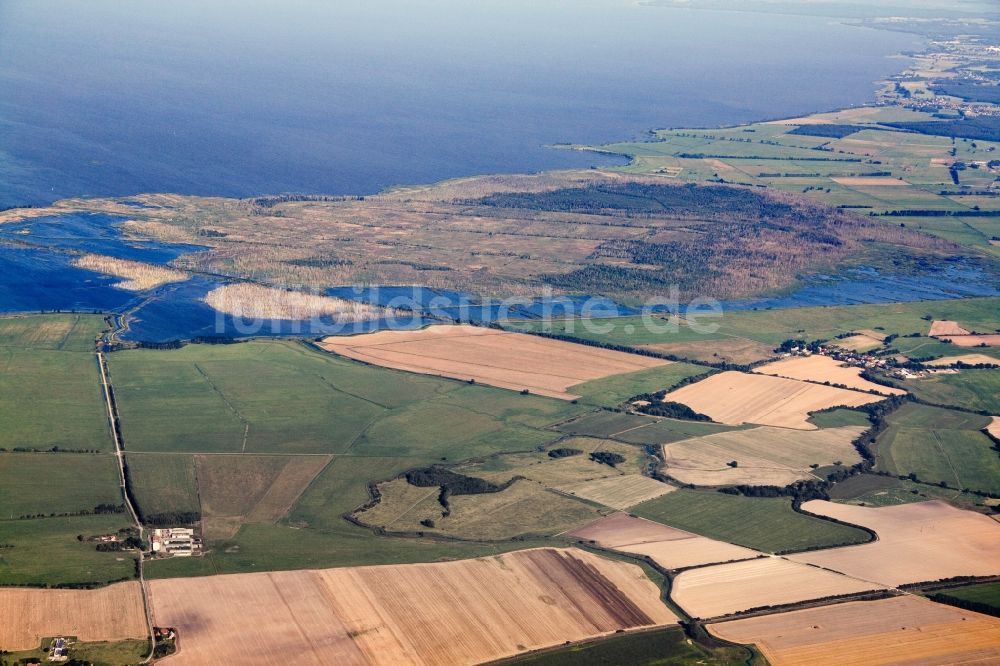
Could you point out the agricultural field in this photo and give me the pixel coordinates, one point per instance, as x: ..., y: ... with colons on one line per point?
x: 869, y: 167
x: 735, y: 398
x: 111, y: 613
x: 46, y: 551
x: 917, y: 542
x: 50, y: 331
x: 618, y: 492
x: 977, y: 389
x: 982, y: 597
x: 939, y: 445
x: 763, y: 456
x: 428, y: 613
x: 163, y: 483
x: 647, y: 648
x: 721, y: 589
x: 234, y: 489
x: 637, y: 428
x: 878, y: 490
x: 522, y: 483
x: 728, y: 350
x: 514, y: 512
x: 967, y: 359
x: 283, y: 397
x: 59, y: 483
x: 772, y: 327
x: 669, y: 547
x: 513, y: 361
x: 50, y: 390
x: 903, y: 629
x: 824, y: 370
x: 761, y: 523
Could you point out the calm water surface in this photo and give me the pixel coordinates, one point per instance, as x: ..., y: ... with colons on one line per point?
x: 351, y: 96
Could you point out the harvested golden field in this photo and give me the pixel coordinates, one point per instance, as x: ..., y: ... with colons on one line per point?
x: 968, y: 359
x: 764, y: 455
x: 671, y: 548
x: 823, y: 369
x: 946, y: 327
x: 900, y: 630
x: 871, y: 181
x: 514, y: 361
x: 918, y: 542
x: 722, y: 589
x: 139, y: 276
x: 463, y: 612
x: 235, y: 489
x: 254, y: 301
x: 859, y: 342
x: 730, y: 350
x: 110, y: 613
x: 618, y: 492
x: 735, y: 398
x: 972, y: 340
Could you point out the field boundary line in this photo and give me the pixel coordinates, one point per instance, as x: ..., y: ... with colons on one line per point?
x: 114, y: 423
x: 232, y: 408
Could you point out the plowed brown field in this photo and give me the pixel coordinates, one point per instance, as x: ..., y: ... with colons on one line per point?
x: 669, y: 547
x: 901, y: 630
x: 736, y: 397
x: 110, y: 613
x: 448, y: 613
x: 509, y: 360
x: 917, y: 542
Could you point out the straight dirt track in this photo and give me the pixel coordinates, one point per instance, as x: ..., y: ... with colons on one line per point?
x: 462, y: 612
x: 508, y: 360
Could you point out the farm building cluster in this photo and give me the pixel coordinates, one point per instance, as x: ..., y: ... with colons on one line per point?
x: 176, y: 542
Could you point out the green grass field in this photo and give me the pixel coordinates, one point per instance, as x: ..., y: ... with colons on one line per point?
x: 767, y: 524
x: 282, y: 397
x: 816, y: 323
x: 636, y: 429
x: 972, y: 389
x: 98, y: 653
x: 612, y: 391
x: 45, y: 551
x: 983, y: 597
x: 664, y: 647
x: 939, y: 445
x: 163, y: 483
x: 44, y: 483
x: 837, y: 418
x: 59, y: 332
x: 295, y: 400
x: 50, y: 392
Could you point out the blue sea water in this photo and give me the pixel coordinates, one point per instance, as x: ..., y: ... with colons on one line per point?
x: 239, y: 99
